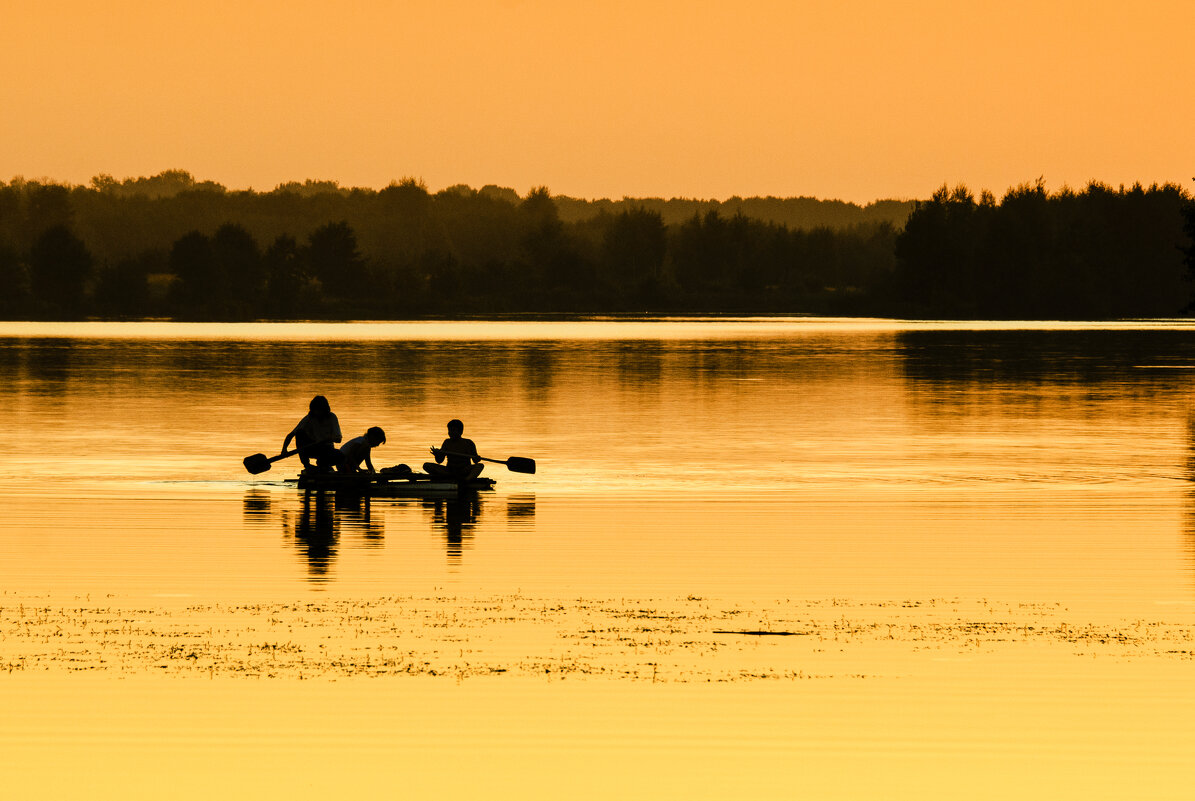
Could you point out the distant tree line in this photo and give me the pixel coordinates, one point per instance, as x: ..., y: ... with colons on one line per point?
x: 794, y: 212
x: 1096, y: 254
x: 171, y: 246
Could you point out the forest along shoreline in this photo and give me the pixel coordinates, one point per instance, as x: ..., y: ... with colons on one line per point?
x: 170, y: 246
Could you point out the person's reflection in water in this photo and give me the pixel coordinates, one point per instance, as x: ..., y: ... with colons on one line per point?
x: 457, y: 517
x: 354, y: 512
x: 322, y: 518
x: 315, y: 534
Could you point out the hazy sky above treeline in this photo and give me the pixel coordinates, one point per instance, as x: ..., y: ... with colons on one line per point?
x: 851, y: 100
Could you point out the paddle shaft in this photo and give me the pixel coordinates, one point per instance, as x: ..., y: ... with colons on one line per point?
x: 518, y: 464
x: 260, y: 463
x: 286, y: 454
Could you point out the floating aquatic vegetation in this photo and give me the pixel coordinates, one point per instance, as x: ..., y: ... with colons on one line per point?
x: 681, y: 640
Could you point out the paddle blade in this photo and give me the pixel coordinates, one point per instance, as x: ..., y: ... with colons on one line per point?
x: 518, y: 464
x: 257, y: 463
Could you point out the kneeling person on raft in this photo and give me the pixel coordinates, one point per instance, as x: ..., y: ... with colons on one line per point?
x: 315, y: 435
x: 357, y: 449
x: 460, y: 455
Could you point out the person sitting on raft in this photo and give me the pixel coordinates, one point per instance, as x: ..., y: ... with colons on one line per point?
x: 315, y: 435
x: 461, y: 454
x: 356, y: 451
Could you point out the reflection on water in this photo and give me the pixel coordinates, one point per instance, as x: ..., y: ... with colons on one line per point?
x: 787, y: 411
x: 521, y: 507
x: 316, y: 533
x: 257, y: 506
x: 1046, y: 356
x: 1188, y: 474
x: 319, y: 523
x: 321, y: 519
x: 456, y: 518
x: 354, y: 514
x: 961, y: 536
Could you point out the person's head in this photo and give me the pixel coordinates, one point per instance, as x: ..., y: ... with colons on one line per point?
x: 375, y: 437
x: 319, y: 406
x: 455, y: 428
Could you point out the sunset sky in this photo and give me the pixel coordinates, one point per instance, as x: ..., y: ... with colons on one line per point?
x: 851, y: 100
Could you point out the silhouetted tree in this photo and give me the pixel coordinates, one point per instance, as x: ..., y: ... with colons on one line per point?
x: 13, y: 230
x: 122, y: 290
x: 703, y: 253
x: 554, y: 258
x: 333, y: 258
x: 310, y: 188
x: 14, y: 284
x: 59, y: 266
x: 46, y: 206
x: 1017, y: 253
x: 1189, y: 229
x: 938, y: 252
x: 406, y: 223
x: 443, y: 279
x: 287, y: 280
x: 167, y: 184
x: 503, y: 194
x: 192, y: 261
x: 633, y: 248
x: 1100, y: 253
x: 240, y: 272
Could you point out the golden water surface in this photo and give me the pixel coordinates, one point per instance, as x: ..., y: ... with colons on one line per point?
x: 761, y: 558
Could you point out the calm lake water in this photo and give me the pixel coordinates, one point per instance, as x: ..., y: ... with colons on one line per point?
x: 767, y: 558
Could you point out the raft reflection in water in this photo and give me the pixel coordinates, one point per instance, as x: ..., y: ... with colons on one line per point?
x: 323, y: 522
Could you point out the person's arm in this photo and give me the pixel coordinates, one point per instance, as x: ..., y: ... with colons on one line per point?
x: 336, y: 427
x: 473, y: 452
x: 369, y: 462
x: 289, y: 437
x: 439, y: 452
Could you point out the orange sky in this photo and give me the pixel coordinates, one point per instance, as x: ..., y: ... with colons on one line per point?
x: 854, y: 100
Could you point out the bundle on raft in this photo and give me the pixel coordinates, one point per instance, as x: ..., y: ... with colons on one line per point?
x: 390, y: 481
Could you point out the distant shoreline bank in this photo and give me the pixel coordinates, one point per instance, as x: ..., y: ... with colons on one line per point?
x: 170, y: 247
x: 615, y: 318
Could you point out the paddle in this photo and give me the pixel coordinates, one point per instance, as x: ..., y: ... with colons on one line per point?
x: 515, y: 464
x: 260, y: 463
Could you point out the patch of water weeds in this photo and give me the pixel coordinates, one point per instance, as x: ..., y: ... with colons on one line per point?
x: 688, y: 639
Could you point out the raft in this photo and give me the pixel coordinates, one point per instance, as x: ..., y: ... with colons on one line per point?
x: 389, y: 483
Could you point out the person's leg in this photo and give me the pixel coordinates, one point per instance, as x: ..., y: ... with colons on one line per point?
x: 302, y: 441
x: 326, y: 456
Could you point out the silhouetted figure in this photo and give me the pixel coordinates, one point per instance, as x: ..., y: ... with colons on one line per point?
x: 357, y: 449
x: 463, y: 463
x: 315, y: 435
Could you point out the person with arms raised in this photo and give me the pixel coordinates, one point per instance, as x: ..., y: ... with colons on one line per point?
x: 458, y: 455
